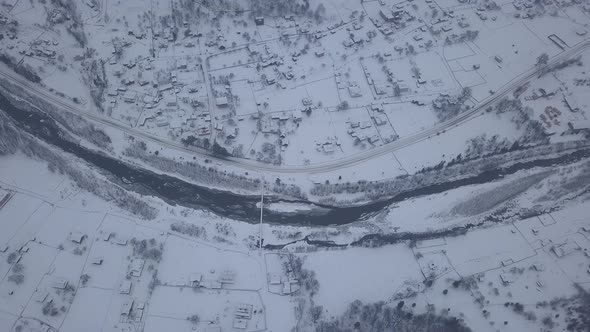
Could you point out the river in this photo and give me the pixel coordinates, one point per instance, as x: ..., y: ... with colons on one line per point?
x: 241, y: 207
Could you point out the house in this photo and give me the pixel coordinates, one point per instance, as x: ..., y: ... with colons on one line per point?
x: 211, y: 284
x: 182, y: 64
x: 241, y: 324
x: 379, y: 121
x: 275, y: 279
x: 354, y: 91
x: 366, y: 124
x: 165, y: 87
x: 227, y: 277
x: 59, y: 283
x: 41, y: 295
x: 507, y: 262
x: 380, y: 89
x: 387, y: 15
x: 120, y: 241
x: 564, y: 249
x: 137, y: 267
x: 328, y: 147
x: 125, y: 287
x: 243, y: 311
x: 162, y: 121
x: 401, y: 87
x: 126, y: 308
x: 221, y: 102
x: 96, y: 260
x: 107, y: 236
x: 76, y: 237
x: 579, y: 126
x: 571, y: 103
x: 129, y: 97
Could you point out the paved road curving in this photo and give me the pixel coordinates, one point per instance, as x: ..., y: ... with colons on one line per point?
x: 329, y: 166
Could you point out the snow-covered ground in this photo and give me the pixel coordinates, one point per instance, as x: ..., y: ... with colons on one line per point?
x: 299, y: 99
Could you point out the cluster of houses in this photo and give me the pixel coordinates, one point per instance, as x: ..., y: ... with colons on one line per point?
x: 283, y: 284
x: 242, y: 315
x: 551, y: 115
x: 394, y: 18
x: 357, y: 132
x: 197, y: 279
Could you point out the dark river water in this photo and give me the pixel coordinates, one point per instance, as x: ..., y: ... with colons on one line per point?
x: 240, y: 207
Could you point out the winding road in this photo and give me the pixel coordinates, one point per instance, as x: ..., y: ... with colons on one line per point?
x: 329, y: 166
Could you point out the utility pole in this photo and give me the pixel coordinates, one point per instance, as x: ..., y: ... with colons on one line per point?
x: 261, y: 210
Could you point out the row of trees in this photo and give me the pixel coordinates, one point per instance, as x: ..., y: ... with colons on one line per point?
x: 379, y: 317
x: 12, y: 140
x: 464, y: 169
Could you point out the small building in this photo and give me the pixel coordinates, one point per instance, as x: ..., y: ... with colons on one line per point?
x: 286, y: 288
x: 107, y: 236
x: 506, y: 278
x: 259, y: 20
x: 507, y: 262
x: 182, y: 64
x: 194, y: 279
x: 498, y: 59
